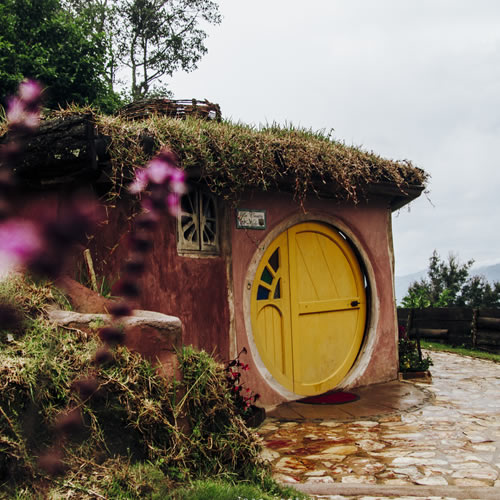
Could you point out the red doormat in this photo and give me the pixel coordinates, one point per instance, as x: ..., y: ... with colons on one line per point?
x: 330, y: 398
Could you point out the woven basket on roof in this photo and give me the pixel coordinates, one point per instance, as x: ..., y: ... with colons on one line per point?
x: 179, y: 108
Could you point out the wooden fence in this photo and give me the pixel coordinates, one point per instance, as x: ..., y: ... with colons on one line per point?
x: 477, y: 328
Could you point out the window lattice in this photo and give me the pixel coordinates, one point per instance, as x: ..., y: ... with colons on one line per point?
x: 198, y: 223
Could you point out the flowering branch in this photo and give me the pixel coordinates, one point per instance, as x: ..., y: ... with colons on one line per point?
x: 40, y: 244
x: 243, y: 397
x: 163, y: 184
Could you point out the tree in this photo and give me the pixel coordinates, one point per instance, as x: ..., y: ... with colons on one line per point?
x: 449, y: 284
x: 152, y: 38
x: 478, y: 292
x: 161, y: 37
x: 102, y: 19
x: 41, y: 40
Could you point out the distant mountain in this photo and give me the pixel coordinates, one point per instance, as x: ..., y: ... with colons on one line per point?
x: 403, y: 282
x: 491, y: 273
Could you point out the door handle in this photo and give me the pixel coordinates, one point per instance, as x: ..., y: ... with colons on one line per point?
x: 354, y: 303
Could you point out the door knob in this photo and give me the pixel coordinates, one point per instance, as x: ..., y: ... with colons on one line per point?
x: 354, y: 303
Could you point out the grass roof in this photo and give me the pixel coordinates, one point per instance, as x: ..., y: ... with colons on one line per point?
x: 233, y: 157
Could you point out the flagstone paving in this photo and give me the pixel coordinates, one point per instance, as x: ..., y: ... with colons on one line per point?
x: 438, y: 434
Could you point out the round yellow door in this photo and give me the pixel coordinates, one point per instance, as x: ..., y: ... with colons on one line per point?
x: 308, y: 308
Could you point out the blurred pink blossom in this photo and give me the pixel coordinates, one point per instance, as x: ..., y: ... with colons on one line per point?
x: 30, y: 91
x: 15, y: 111
x: 23, y: 110
x: 178, y: 181
x: 140, y: 183
x: 20, y: 239
x: 174, y: 203
x: 159, y: 171
x: 19, y: 116
x: 162, y: 172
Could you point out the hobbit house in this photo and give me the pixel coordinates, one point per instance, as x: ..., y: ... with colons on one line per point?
x: 284, y: 243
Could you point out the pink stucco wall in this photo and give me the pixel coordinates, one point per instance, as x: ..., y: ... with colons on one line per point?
x: 368, y: 224
x: 196, y: 289
x: 193, y: 288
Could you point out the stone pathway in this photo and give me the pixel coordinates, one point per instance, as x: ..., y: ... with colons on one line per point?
x: 451, y: 443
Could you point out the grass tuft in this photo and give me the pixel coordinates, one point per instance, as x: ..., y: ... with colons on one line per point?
x: 30, y: 295
x: 212, y: 489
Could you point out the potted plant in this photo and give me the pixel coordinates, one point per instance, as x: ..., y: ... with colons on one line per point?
x: 412, y: 364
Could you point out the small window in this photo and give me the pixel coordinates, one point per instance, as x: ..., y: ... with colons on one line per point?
x: 270, y: 281
x: 198, y: 224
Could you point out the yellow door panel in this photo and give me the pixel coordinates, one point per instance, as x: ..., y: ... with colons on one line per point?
x: 326, y: 353
x: 270, y: 324
x: 327, y: 304
x: 270, y: 312
x: 316, y: 279
x: 321, y: 261
x: 309, y: 308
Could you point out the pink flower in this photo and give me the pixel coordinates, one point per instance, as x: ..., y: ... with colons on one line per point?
x: 159, y: 171
x: 15, y: 111
x: 140, y: 183
x: 30, y: 92
x: 174, y: 203
x: 19, y: 116
x: 20, y: 241
x: 177, y: 181
x: 165, y: 180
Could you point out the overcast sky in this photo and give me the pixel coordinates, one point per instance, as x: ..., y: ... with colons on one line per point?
x: 408, y: 79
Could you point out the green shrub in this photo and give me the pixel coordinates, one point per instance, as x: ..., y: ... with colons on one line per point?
x: 138, y: 429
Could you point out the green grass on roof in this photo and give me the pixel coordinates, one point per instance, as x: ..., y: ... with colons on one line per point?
x: 233, y: 157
